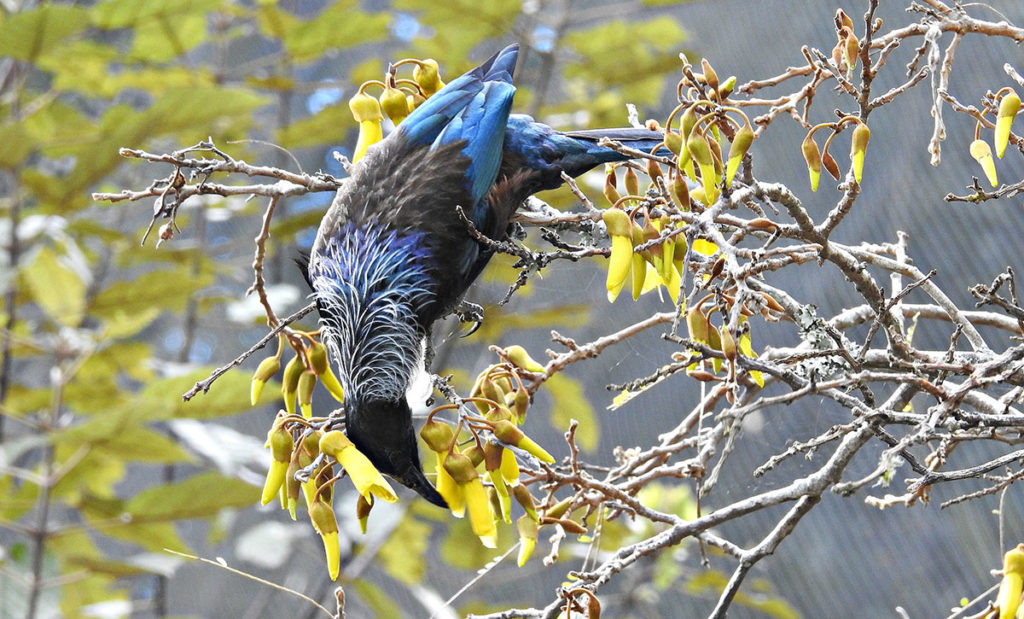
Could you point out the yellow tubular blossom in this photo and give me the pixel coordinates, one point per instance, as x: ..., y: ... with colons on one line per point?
x: 464, y: 472
x: 509, y: 467
x: 1008, y: 107
x: 267, y: 368
x: 813, y: 158
x: 326, y: 525
x: 858, y: 146
x: 366, y: 478
x: 527, y: 538
x: 507, y: 432
x: 983, y: 155
x: 700, y: 151
x: 448, y: 489
x: 290, y: 383
x: 318, y: 359
x: 281, y: 444
x: 518, y: 355
x: 620, y: 230
x: 366, y: 110
x: 1012, y: 585
x: 307, y: 381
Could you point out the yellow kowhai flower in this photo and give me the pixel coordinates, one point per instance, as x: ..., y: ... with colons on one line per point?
x: 1012, y: 585
x: 366, y: 110
x: 1008, y: 107
x: 326, y: 525
x: 366, y: 478
x: 466, y: 477
x: 281, y: 444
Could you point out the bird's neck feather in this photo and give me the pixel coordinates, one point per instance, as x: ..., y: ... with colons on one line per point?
x: 370, y: 284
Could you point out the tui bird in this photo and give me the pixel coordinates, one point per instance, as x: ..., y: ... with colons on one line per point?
x: 392, y: 255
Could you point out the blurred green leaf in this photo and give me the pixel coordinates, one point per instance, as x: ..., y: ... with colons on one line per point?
x: 459, y: 26
x: 161, y: 30
x: 199, y: 496
x: 402, y: 555
x: 380, y: 603
x: 328, y: 125
x: 161, y: 399
x: 164, y: 290
x: 462, y: 550
x: 120, y: 436
x: 27, y: 34
x: 58, y: 290
x: 17, y: 144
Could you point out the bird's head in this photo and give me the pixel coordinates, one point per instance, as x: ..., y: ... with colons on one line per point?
x: 383, y: 431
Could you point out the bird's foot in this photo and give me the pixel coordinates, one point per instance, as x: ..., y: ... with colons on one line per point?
x: 469, y: 313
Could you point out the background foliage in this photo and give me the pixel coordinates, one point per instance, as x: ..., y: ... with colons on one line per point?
x: 104, y: 467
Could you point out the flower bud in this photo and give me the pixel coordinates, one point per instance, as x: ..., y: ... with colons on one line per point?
x: 610, y: 192
x: 654, y: 170
x: 851, y: 50
x: 291, y: 485
x: 525, y: 499
x: 307, y: 381
x: 558, y: 510
x: 728, y: 343
x: 394, y: 104
x: 700, y: 149
x: 426, y: 75
x: 983, y: 155
x: 363, y: 507
x: 726, y: 88
x: 813, y: 158
x: 709, y: 74
x: 858, y: 146
x: 266, y: 370
x: 520, y: 402
x: 527, y: 529
x: 1008, y: 107
x: 632, y: 182
x: 680, y: 191
x: 697, y: 325
x: 290, y: 383
x: 438, y: 435
x: 830, y: 165
x: 740, y: 145
x: 674, y: 142
x: 518, y: 355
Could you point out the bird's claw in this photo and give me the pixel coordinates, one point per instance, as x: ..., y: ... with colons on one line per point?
x: 469, y: 312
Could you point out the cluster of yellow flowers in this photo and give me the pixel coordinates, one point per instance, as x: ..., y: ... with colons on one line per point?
x: 398, y: 98
x: 479, y: 447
